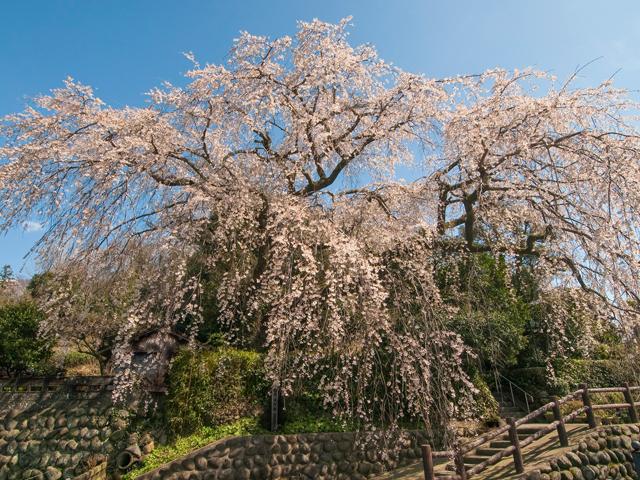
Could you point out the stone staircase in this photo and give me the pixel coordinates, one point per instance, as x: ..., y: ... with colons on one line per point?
x: 485, y: 451
x: 544, y: 434
x: 506, y: 409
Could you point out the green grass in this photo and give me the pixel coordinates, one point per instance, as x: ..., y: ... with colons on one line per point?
x: 313, y: 424
x: 298, y: 422
x: 183, y: 445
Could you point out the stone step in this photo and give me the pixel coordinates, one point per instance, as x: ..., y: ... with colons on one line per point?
x: 512, y: 413
x: 530, y: 428
x: 481, y: 454
x: 473, y: 459
x: 499, y: 444
x: 488, y: 452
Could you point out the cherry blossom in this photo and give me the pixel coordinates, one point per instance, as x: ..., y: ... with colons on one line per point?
x: 284, y: 161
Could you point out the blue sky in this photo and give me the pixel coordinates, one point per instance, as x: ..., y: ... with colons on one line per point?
x: 125, y: 47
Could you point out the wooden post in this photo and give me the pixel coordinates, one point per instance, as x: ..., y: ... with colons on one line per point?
x: 633, y: 414
x: 274, y: 409
x: 562, y: 431
x: 591, y: 418
x: 427, y: 462
x: 459, y: 461
x: 517, y: 453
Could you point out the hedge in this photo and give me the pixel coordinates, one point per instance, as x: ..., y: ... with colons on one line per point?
x: 22, y: 350
x: 568, y: 374
x: 212, y: 388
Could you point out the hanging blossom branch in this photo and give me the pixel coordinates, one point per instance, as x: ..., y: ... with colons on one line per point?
x: 551, y: 176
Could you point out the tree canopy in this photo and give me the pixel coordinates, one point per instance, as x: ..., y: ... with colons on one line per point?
x: 284, y: 162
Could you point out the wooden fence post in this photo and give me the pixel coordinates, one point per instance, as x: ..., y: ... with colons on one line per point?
x: 633, y: 414
x: 586, y: 400
x: 562, y: 431
x: 515, y: 441
x: 459, y: 461
x: 427, y: 462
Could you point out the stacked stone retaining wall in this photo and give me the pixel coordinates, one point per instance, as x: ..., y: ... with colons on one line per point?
x: 301, y: 456
x: 55, y: 433
x: 602, y: 454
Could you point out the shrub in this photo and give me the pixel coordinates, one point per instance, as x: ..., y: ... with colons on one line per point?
x: 534, y: 380
x: 210, y: 388
x: 80, y: 363
x: 596, y: 373
x: 486, y: 406
x: 22, y: 350
x: 304, y: 413
x: 570, y: 373
x: 491, y: 315
x: 77, y: 359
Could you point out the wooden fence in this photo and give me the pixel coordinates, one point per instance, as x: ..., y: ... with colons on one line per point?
x: 517, y: 444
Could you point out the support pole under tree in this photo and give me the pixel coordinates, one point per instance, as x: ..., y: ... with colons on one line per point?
x: 586, y: 400
x: 562, y: 431
x: 427, y: 462
x: 275, y: 400
x: 633, y: 414
x: 513, y: 438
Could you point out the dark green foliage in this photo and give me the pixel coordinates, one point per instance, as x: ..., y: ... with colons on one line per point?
x: 534, y: 380
x: 569, y: 373
x: 305, y: 413
x: 486, y: 406
x: 596, y: 373
x: 211, y: 388
x: 75, y: 359
x: 492, y: 314
x: 39, y: 282
x: 22, y: 351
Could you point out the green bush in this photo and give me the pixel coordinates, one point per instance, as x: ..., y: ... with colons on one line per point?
x: 486, y: 406
x: 77, y: 359
x: 211, y: 388
x: 313, y: 423
x: 596, y: 373
x: 570, y: 373
x: 304, y: 413
x: 22, y: 350
x: 492, y: 315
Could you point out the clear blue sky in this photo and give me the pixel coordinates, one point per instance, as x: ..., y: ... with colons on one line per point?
x: 125, y: 47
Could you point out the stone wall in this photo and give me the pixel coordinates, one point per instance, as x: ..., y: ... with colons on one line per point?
x: 302, y: 456
x: 17, y: 401
x: 604, y: 453
x: 56, y: 433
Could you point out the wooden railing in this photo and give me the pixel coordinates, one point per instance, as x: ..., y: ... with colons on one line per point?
x: 517, y: 444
